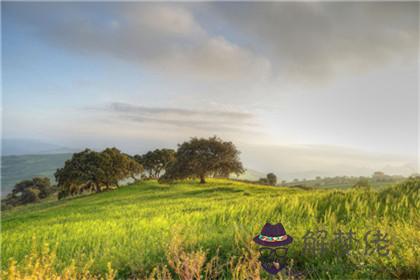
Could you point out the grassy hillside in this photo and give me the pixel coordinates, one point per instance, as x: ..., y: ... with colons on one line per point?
x: 149, y: 229
x: 21, y: 167
x: 17, y: 168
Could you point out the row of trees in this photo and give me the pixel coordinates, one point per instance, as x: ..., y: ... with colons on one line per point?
x: 197, y: 158
x: 377, y: 177
x: 98, y: 171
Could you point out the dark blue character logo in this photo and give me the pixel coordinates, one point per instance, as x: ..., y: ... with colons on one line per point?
x: 273, y: 253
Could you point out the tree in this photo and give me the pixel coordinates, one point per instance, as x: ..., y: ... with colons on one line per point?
x: 21, y: 186
x: 154, y: 162
x: 91, y: 171
x: 271, y: 179
x: 30, y: 195
x: 199, y: 158
x: 134, y: 168
x: 29, y: 191
x: 380, y: 176
x: 115, y: 166
x: 42, y: 184
x: 83, y: 168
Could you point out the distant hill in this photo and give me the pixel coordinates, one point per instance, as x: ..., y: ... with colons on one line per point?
x: 17, y: 168
x: 30, y: 147
x: 250, y: 175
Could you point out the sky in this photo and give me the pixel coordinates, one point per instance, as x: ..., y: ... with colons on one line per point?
x: 302, y: 89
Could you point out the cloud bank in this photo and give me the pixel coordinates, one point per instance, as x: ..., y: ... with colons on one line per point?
x: 165, y: 38
x: 203, y: 120
x: 316, y: 41
x: 302, y: 41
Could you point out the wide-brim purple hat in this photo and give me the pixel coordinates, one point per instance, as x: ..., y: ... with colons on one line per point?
x: 273, y: 236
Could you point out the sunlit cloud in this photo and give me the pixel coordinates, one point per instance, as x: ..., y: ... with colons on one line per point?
x: 206, y: 120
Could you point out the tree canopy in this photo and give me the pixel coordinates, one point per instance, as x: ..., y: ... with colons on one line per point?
x: 134, y: 168
x: 91, y: 170
x: 157, y: 161
x: 272, y: 179
x: 42, y: 184
x: 29, y: 191
x: 200, y: 158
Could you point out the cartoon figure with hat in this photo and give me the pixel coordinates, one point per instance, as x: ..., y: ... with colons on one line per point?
x: 273, y: 239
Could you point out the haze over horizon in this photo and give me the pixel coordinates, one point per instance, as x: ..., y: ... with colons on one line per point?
x: 301, y: 88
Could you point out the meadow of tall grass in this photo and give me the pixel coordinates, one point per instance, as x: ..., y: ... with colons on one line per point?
x: 191, y: 231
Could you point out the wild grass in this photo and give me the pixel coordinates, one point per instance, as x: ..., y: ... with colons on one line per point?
x: 41, y: 265
x: 193, y: 231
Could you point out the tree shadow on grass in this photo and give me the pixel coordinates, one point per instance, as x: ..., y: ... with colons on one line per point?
x: 213, y: 190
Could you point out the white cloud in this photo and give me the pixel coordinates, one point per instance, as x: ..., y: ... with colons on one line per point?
x: 216, y: 59
x: 164, y: 38
x: 315, y: 42
x: 168, y: 20
x: 304, y: 42
x: 196, y: 121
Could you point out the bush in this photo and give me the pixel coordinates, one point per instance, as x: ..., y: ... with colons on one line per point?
x: 263, y: 181
x: 271, y: 180
x: 30, y: 195
x: 28, y: 191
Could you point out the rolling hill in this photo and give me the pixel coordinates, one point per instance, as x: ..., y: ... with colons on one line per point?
x: 152, y: 230
x: 15, y: 168
x: 18, y: 147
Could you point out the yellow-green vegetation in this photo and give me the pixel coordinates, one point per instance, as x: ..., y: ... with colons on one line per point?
x: 186, y: 230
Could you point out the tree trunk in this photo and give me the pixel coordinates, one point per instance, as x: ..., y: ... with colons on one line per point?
x: 202, y: 179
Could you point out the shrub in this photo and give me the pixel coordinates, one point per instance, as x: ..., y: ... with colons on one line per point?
x: 30, y: 195
x: 29, y: 191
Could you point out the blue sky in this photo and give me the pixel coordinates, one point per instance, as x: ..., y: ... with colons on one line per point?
x: 321, y: 87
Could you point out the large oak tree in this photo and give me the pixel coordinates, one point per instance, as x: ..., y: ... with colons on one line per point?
x: 91, y: 170
x: 200, y: 158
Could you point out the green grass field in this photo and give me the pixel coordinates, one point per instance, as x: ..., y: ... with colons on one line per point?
x: 139, y: 228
